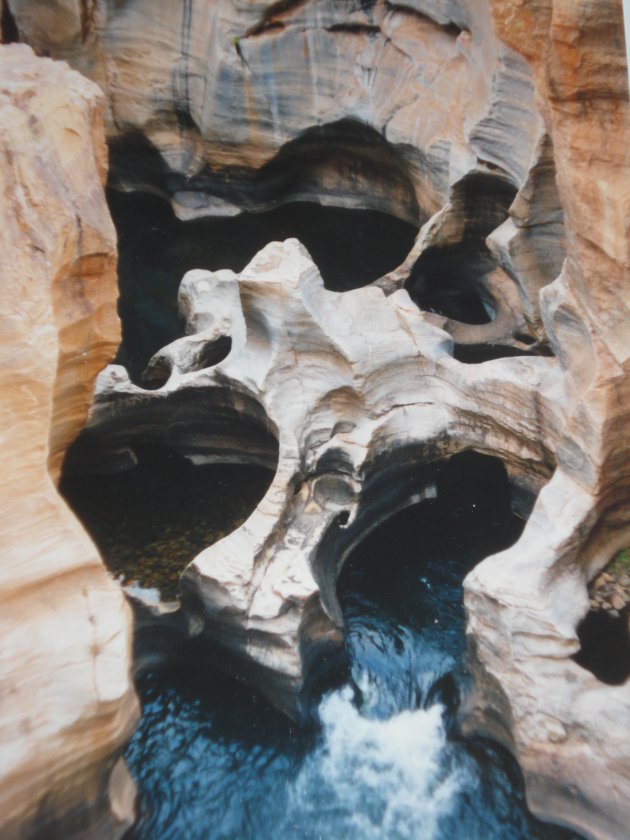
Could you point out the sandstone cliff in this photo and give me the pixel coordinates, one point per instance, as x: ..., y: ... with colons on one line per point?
x: 498, y: 125
x: 66, y: 704
x: 416, y: 109
x: 567, y: 726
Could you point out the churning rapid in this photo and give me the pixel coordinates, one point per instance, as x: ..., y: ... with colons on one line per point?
x: 212, y: 760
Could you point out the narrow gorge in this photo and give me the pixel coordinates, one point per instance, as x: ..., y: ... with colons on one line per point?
x: 315, y: 375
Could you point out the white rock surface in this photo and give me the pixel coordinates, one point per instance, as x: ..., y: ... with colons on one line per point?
x: 354, y: 386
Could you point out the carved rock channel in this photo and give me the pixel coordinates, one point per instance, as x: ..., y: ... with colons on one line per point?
x: 361, y: 392
x: 499, y: 129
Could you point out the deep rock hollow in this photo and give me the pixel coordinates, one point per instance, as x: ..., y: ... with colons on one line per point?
x: 486, y: 144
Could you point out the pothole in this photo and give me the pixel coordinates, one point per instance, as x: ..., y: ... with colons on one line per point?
x: 382, y: 755
x: 350, y: 247
x: 427, y: 549
x: 449, y: 282
x: 151, y: 521
x: 460, y: 279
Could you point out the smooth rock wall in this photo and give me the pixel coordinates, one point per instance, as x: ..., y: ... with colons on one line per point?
x: 226, y: 106
x: 66, y: 701
x: 568, y: 729
x: 211, y: 104
x: 217, y: 89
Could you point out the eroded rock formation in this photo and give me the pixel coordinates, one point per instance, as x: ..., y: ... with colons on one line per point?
x: 524, y: 606
x: 216, y: 89
x: 66, y: 702
x: 361, y: 392
x: 499, y: 129
x: 415, y: 109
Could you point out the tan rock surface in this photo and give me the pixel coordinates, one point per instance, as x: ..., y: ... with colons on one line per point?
x: 356, y: 387
x: 532, y: 94
x: 66, y: 703
x: 569, y: 730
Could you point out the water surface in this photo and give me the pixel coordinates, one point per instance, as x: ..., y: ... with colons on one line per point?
x: 212, y: 760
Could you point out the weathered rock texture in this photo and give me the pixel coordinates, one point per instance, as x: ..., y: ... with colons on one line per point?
x: 218, y: 88
x: 569, y: 730
x: 362, y: 394
x: 412, y: 108
x: 499, y: 127
x: 66, y: 703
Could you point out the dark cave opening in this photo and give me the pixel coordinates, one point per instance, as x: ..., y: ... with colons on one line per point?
x: 605, y: 646
x: 448, y: 278
x: 346, y: 163
x: 149, y: 522
x: 467, y: 515
x: 416, y: 520
x: 176, y: 475
x: 205, y: 355
x: 350, y: 247
x: 8, y: 26
x: 482, y: 202
x: 448, y: 281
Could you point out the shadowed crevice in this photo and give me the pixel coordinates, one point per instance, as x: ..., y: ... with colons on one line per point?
x: 350, y: 247
x: 605, y: 646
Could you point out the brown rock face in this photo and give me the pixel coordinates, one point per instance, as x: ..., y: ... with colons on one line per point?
x: 501, y: 128
x: 568, y: 727
x: 66, y: 703
x: 218, y: 90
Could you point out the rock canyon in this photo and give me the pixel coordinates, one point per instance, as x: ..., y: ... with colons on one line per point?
x: 430, y: 202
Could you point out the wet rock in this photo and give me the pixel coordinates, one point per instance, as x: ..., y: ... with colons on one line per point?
x: 358, y: 386
x: 357, y: 418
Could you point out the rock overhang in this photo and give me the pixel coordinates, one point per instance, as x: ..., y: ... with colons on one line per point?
x: 578, y: 393
x: 357, y: 389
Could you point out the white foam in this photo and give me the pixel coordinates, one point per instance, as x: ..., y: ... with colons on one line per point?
x: 385, y: 778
